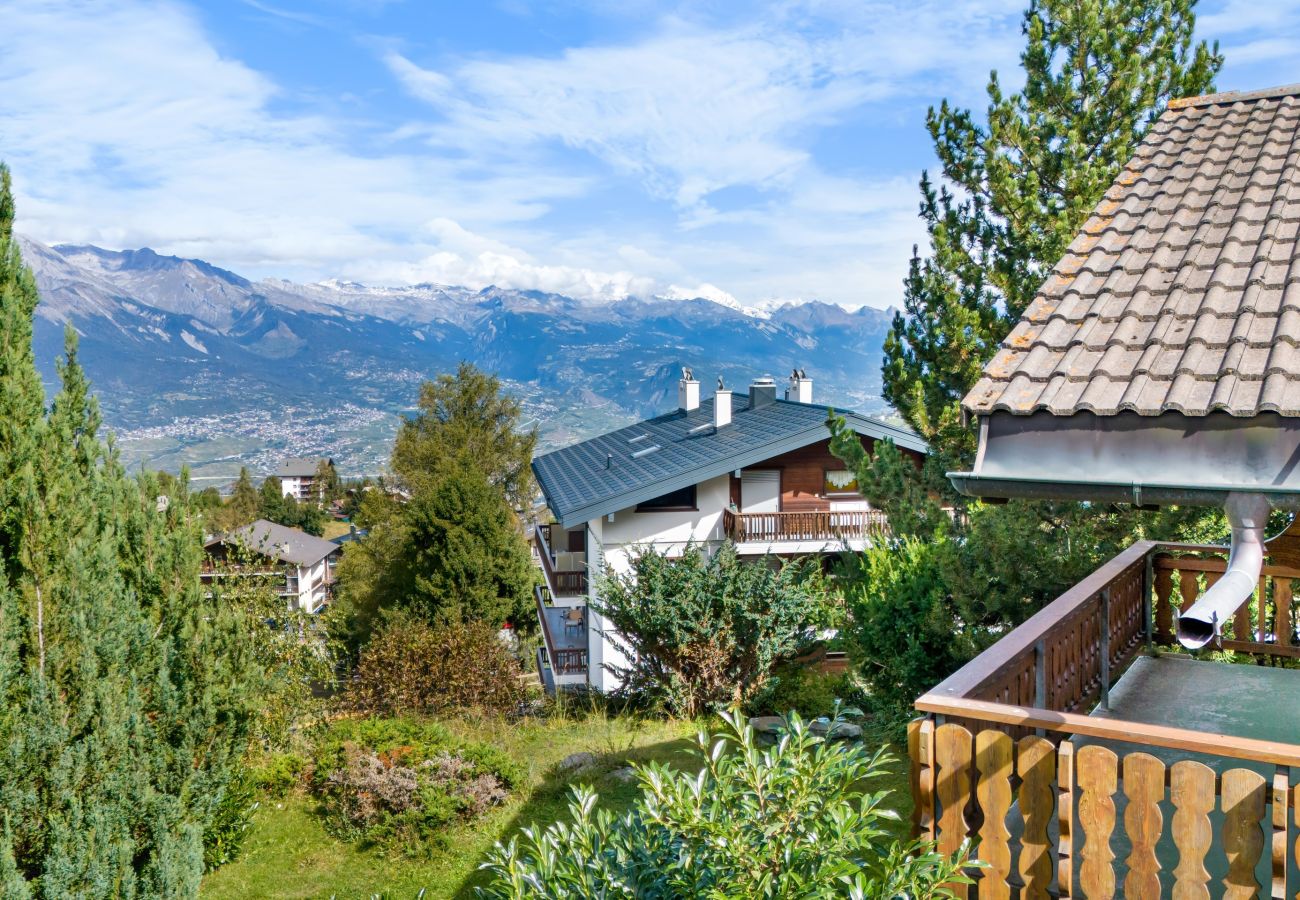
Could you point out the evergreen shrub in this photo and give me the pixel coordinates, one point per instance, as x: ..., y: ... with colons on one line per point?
x: 399, y: 782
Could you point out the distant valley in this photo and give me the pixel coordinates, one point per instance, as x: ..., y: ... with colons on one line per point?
x: 195, y: 365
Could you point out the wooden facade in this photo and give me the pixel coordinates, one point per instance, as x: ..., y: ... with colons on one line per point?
x: 803, y: 475
x: 1011, y: 728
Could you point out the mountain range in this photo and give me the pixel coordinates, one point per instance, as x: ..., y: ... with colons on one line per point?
x: 196, y: 365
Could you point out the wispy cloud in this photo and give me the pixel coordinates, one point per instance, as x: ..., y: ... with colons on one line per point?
x: 760, y: 151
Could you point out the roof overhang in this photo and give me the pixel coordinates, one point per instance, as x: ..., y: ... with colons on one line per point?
x: 1169, y: 459
x: 862, y: 425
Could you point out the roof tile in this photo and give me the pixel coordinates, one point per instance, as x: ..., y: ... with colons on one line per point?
x: 1182, y: 290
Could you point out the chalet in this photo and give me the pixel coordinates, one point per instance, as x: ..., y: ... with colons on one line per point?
x: 298, y: 479
x: 758, y: 472
x: 1099, y: 749
x: 301, y: 564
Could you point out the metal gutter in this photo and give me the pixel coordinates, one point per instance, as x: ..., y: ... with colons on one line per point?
x: 1137, y: 493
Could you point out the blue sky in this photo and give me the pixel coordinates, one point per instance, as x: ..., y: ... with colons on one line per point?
x: 755, y: 151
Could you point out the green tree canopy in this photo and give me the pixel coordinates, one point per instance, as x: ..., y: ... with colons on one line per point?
x: 452, y: 547
x: 466, y: 419
x: 126, y: 695
x: 1014, y: 190
x: 1017, y: 187
x: 704, y: 631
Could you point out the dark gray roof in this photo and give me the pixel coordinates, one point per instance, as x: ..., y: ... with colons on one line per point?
x: 295, y: 467
x: 283, y: 543
x: 1182, y: 291
x: 581, y: 482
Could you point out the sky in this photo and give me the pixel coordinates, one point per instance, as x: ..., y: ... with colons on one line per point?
x: 757, y: 151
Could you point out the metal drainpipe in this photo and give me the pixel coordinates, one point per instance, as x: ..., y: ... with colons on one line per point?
x: 1203, y: 621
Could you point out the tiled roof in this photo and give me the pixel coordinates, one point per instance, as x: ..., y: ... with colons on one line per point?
x: 617, y: 470
x: 1182, y: 291
x: 281, y: 542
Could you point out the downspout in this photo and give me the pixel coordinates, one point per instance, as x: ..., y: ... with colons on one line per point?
x: 1203, y: 621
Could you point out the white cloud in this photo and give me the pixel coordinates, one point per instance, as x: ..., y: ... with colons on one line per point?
x: 691, y: 110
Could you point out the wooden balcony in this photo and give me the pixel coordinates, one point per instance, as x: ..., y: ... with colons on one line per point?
x: 562, y: 583
x: 567, y: 652
x: 820, y: 525
x: 1062, y: 747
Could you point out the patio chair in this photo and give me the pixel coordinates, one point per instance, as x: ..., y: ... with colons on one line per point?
x: 573, y: 619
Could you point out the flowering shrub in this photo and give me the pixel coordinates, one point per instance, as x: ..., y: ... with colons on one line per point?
x: 399, y: 781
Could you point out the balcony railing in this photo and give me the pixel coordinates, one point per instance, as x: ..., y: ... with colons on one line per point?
x: 566, y: 661
x: 561, y: 583
x: 819, y: 525
x: 1007, y: 755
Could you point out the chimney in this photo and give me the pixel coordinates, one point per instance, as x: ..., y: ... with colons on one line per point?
x: 721, y: 406
x: 762, y: 392
x: 800, y: 389
x: 688, y: 391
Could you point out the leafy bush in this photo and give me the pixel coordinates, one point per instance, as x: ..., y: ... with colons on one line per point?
x: 901, y: 633
x: 793, y: 820
x: 704, y: 631
x: 279, y: 774
x: 805, y: 690
x: 399, y: 781
x: 231, y: 821
x: 411, y: 666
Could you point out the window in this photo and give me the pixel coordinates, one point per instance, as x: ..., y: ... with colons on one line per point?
x: 841, y: 483
x: 683, y: 499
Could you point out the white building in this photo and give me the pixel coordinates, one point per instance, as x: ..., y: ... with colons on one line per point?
x: 304, y: 562
x: 298, y: 479
x: 758, y: 472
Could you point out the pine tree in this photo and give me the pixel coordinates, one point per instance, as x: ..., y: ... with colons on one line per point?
x: 125, y: 697
x: 467, y: 419
x: 244, y: 503
x: 1014, y: 190
x: 1018, y: 187
x: 453, y: 551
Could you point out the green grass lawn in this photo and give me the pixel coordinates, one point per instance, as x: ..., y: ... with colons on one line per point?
x: 290, y: 854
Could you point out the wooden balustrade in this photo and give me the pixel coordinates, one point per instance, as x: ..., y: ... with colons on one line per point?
x: 814, y: 525
x: 568, y: 662
x: 561, y: 583
x: 563, y: 662
x: 1005, y: 794
x: 1015, y: 718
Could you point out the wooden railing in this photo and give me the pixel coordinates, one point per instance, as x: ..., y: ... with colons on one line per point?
x: 568, y: 662
x: 563, y: 662
x: 1014, y: 714
x: 815, y: 525
x: 561, y: 583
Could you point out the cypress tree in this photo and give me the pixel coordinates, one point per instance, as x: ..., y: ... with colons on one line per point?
x: 125, y: 694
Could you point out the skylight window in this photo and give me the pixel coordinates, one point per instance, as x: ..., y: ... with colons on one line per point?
x: 639, y: 437
x: 646, y: 452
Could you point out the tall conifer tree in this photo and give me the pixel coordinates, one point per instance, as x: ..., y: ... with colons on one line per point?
x: 125, y: 694
x: 1017, y: 187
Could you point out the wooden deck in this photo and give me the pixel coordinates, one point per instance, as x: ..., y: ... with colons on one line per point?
x: 1124, y: 802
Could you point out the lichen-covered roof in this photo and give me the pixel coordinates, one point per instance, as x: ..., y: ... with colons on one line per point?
x: 1182, y: 291
x: 620, y: 469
